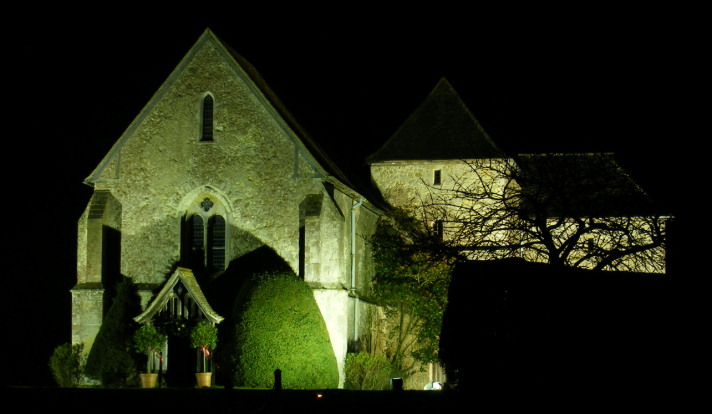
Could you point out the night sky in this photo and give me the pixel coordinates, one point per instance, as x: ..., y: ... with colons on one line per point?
x: 574, y: 80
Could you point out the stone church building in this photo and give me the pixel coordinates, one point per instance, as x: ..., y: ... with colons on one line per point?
x: 214, y: 176
x: 215, y: 179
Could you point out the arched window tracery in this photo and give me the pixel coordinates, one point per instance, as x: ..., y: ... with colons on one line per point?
x: 205, y: 237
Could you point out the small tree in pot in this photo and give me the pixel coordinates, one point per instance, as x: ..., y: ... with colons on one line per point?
x: 149, y: 341
x: 204, y: 337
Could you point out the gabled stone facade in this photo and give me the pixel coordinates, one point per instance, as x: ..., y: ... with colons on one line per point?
x: 213, y: 170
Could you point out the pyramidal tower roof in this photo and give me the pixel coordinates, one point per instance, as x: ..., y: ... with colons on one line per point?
x: 441, y: 128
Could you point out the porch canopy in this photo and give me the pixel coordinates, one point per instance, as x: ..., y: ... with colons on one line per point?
x: 180, y: 298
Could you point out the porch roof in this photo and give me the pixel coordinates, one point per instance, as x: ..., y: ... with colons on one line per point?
x: 186, y: 277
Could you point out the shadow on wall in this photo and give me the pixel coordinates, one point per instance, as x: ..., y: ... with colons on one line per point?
x: 224, y: 289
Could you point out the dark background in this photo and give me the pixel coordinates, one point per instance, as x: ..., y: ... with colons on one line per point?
x: 537, y: 78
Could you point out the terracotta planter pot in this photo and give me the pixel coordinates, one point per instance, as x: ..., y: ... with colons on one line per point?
x: 204, y: 379
x: 148, y: 380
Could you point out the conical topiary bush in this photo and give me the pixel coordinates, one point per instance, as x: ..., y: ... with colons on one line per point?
x: 279, y: 326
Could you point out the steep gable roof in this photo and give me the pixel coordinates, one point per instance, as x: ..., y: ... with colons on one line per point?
x: 441, y: 128
x: 306, y: 139
x: 185, y: 278
x: 312, y: 151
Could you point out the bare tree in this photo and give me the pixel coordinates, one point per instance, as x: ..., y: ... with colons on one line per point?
x: 578, y: 210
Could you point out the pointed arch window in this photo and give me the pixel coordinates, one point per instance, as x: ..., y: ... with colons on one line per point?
x: 207, y: 119
x: 216, y: 243
x: 197, y: 235
x: 206, y: 242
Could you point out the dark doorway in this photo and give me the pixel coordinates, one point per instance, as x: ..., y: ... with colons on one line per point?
x: 181, y: 362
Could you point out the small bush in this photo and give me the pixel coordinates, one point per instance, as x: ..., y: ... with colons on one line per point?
x: 67, y: 364
x: 204, y: 337
x: 149, y: 342
x: 204, y: 334
x: 368, y: 372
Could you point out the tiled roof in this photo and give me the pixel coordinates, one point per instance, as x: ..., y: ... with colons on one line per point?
x: 314, y: 148
x: 441, y: 128
x: 578, y: 185
x: 186, y: 277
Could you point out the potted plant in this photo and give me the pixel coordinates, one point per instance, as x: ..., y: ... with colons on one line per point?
x: 150, y: 341
x: 204, y: 337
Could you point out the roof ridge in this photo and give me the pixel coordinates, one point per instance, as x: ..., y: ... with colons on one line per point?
x: 441, y: 127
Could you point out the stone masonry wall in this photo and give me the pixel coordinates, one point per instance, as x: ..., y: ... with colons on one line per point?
x: 256, y: 174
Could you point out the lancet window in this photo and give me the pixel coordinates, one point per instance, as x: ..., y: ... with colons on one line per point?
x: 207, y: 119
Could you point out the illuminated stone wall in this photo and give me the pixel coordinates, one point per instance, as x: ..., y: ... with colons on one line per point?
x: 426, y: 189
x: 411, y: 185
x: 648, y: 261
x: 256, y: 173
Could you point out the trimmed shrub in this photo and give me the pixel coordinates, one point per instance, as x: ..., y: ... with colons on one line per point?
x: 279, y: 326
x: 111, y: 359
x: 148, y: 341
x: 204, y: 334
x: 67, y: 364
x: 204, y: 337
x: 368, y: 372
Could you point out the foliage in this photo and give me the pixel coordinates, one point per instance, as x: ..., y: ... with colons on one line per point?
x: 368, y: 372
x: 110, y: 359
x: 67, y: 364
x: 204, y: 336
x: 280, y: 326
x: 411, y: 283
x: 149, y: 341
